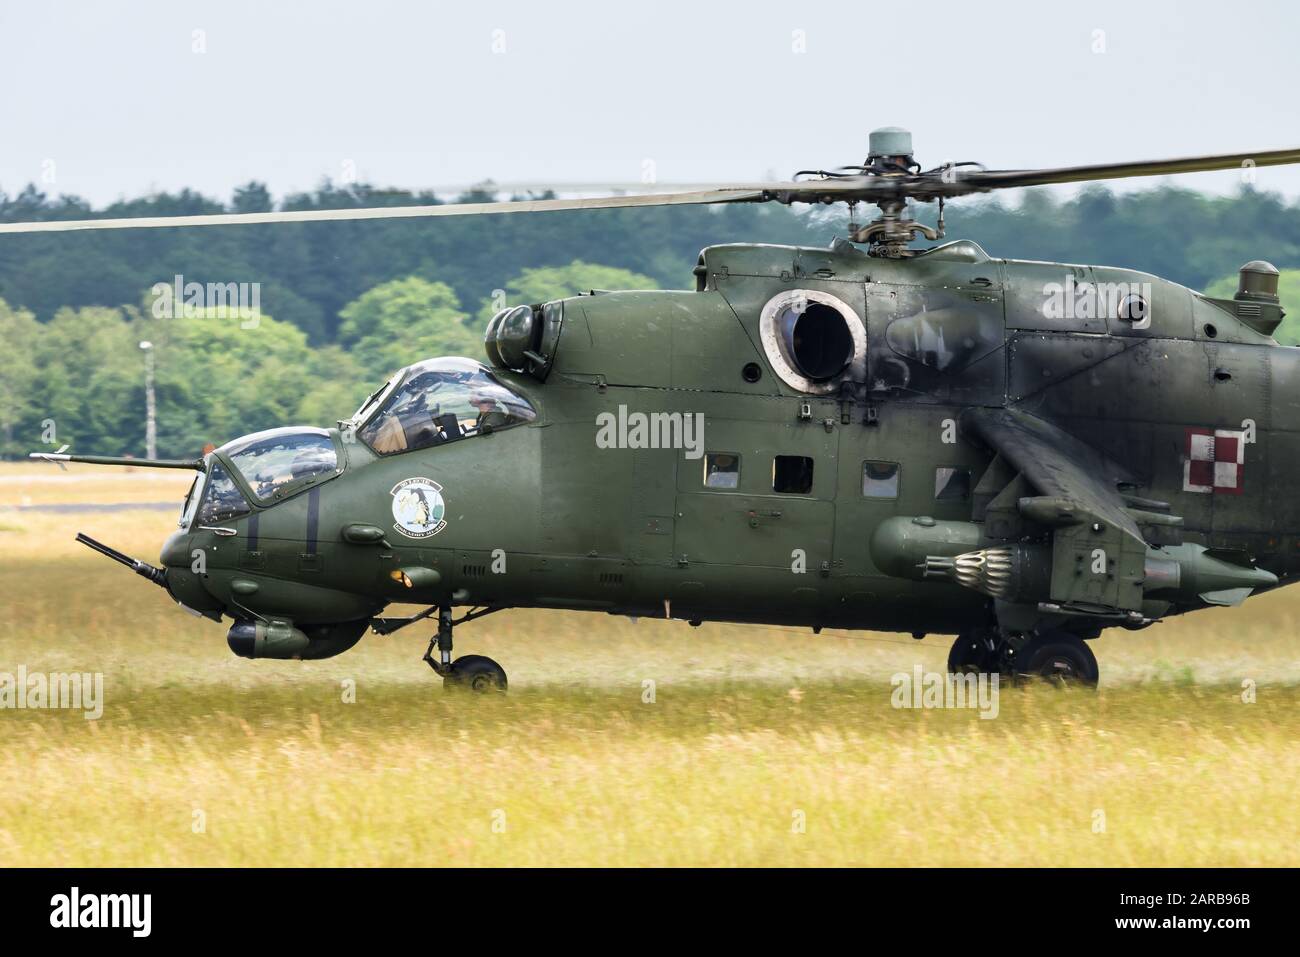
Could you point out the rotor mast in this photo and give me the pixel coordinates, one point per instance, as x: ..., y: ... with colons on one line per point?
x: 890, y: 154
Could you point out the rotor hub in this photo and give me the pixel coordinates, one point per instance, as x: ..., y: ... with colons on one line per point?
x: 889, y: 141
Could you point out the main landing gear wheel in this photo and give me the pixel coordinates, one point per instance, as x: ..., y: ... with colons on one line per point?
x: 1058, y: 657
x: 976, y: 652
x: 475, y: 673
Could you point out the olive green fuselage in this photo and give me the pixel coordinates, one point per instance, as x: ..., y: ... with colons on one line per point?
x: 546, y: 515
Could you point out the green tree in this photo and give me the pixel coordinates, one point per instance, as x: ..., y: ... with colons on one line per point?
x: 338, y: 385
x: 92, y: 380
x: 403, y: 321
x: 222, y: 377
x: 19, y: 377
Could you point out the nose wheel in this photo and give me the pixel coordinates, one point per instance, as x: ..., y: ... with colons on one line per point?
x: 476, y: 673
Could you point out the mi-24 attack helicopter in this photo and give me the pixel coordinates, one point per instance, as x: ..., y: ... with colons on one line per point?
x: 865, y: 436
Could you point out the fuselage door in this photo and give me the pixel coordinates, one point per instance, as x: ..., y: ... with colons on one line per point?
x: 762, y: 495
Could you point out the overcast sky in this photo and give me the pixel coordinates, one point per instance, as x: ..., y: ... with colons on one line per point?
x: 112, y: 99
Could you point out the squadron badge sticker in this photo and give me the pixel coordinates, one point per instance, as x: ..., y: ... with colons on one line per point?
x: 418, y: 508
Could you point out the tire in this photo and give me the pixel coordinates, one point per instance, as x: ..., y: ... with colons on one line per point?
x: 476, y: 673
x: 1059, y: 658
x: 970, y: 653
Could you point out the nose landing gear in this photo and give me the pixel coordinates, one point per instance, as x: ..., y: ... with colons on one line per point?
x: 476, y: 673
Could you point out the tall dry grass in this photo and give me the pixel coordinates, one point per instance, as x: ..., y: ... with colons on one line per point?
x: 751, y: 732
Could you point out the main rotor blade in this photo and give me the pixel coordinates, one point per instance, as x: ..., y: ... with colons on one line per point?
x: 1008, y: 178
x: 730, y: 194
x: 953, y: 182
x: 866, y: 187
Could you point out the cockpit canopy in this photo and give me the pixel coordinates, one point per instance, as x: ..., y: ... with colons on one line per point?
x: 436, y: 401
x: 431, y: 402
x: 278, y: 461
x: 273, y: 465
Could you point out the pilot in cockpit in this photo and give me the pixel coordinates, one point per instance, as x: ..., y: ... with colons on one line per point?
x: 490, y: 414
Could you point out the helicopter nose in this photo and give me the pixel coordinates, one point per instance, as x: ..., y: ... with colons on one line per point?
x: 183, y: 582
x: 175, y: 550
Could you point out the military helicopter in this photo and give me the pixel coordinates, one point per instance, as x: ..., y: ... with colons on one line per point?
x: 873, y: 435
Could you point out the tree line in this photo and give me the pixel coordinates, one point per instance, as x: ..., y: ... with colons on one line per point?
x: 343, y: 304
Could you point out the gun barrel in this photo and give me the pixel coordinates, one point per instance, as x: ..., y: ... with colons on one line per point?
x: 143, y: 569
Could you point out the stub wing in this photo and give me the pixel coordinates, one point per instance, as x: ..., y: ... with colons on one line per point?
x: 1073, y: 479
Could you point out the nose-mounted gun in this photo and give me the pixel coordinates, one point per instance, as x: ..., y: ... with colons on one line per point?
x: 143, y: 569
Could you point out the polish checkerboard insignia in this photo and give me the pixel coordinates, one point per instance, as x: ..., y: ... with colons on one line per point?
x: 1214, y: 461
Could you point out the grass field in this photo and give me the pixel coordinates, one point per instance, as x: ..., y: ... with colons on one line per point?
x: 762, y: 745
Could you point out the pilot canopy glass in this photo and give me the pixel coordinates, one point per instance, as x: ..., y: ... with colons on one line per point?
x: 437, y: 401
x: 222, y: 500
x: 279, y: 461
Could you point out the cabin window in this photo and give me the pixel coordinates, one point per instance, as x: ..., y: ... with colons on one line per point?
x: 721, y: 470
x: 951, y: 484
x: 880, y: 479
x: 222, y: 500
x: 192, y: 499
x: 792, y: 474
